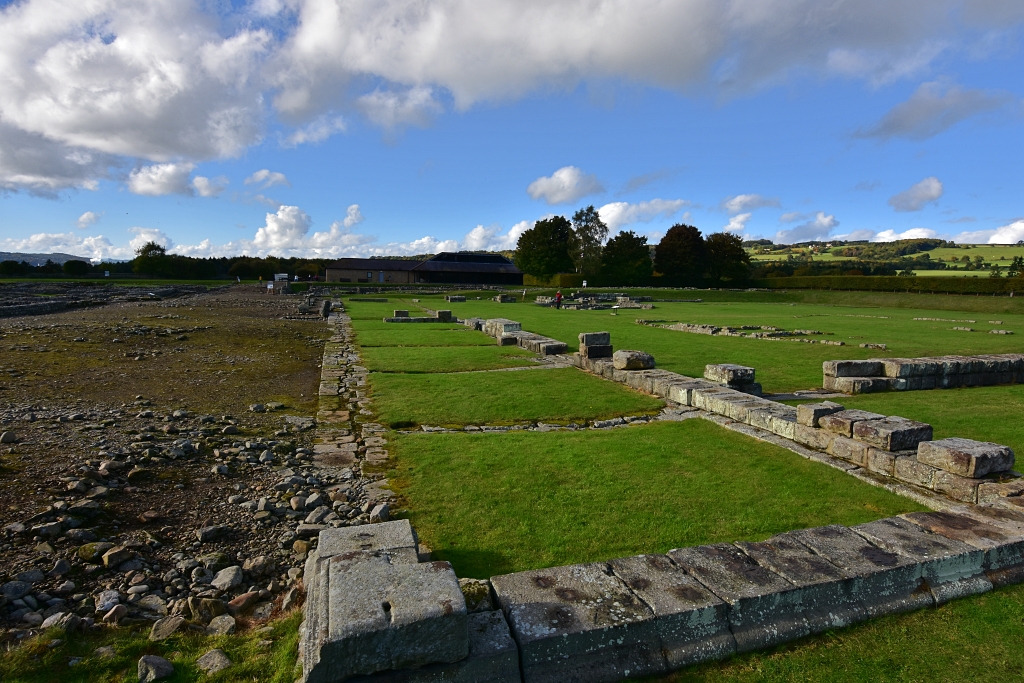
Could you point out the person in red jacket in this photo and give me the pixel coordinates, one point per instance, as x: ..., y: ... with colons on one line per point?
x: 558, y: 299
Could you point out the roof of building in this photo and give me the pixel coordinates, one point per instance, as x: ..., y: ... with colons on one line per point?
x: 443, y: 262
x: 375, y: 264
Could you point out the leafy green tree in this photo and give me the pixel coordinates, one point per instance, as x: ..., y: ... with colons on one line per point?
x: 1016, y: 268
x: 679, y: 256
x: 726, y: 259
x: 13, y: 268
x: 626, y: 260
x: 588, y: 234
x: 76, y: 268
x: 543, y: 250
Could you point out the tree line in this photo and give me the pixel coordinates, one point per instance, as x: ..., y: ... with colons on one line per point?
x: 683, y: 257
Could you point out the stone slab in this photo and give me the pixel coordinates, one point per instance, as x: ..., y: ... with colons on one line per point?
x: 851, y: 368
x: 728, y: 373
x: 596, y: 351
x: 578, y: 623
x: 966, y: 457
x: 625, y: 359
x: 964, y: 489
x: 808, y: 414
x: 850, y: 450
x: 691, y: 621
x: 595, y: 338
x: 842, y: 422
x: 388, y: 537
x: 856, y: 385
x: 908, y: 469
x: 892, y: 433
x: 1003, y: 549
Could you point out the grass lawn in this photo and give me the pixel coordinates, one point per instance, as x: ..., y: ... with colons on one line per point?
x: 419, y: 334
x: 561, y: 395
x: 497, y: 503
x: 977, y: 639
x: 444, y: 358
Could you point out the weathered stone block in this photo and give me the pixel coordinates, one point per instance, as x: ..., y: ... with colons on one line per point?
x: 952, y: 569
x: 578, y: 623
x: 765, y: 608
x: 855, y: 385
x: 444, y: 316
x: 728, y: 373
x: 596, y: 351
x: 681, y: 394
x: 908, y: 469
x: 992, y: 491
x: 1003, y: 549
x: 842, y: 422
x: 892, y: 433
x: 812, y: 437
x: 956, y: 487
x: 595, y: 338
x: 388, y: 537
x: 808, y: 414
x: 691, y: 621
x: 851, y: 368
x: 382, y: 616
x: 884, y: 462
x: 632, y: 360
x: 849, y: 450
x: 401, y: 314
x: 966, y: 457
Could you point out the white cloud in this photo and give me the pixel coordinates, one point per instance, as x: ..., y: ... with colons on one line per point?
x: 881, y: 69
x: 161, y: 179
x: 933, y: 108
x: 96, y: 247
x: 352, y: 216
x: 738, y: 223
x: 206, y: 187
x: 912, y: 234
x: 917, y: 196
x: 285, y: 229
x: 792, y: 216
x: 416, y: 107
x: 87, y: 220
x: 857, y: 235
x: 317, y: 130
x: 265, y: 178
x: 491, y: 239
x: 40, y: 166
x: 620, y: 214
x: 747, y: 202
x: 565, y: 185
x: 818, y: 228
x: 1007, y: 234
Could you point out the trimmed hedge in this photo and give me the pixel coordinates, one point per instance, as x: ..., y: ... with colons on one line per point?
x: 921, y: 284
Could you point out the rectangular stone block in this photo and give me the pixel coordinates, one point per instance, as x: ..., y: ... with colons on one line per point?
x: 992, y: 491
x: 855, y: 385
x: 784, y: 425
x: 383, y: 616
x: 579, y: 623
x: 393, y: 538
x: 595, y: 338
x: 849, y: 450
x: 842, y: 422
x: 596, y: 351
x: 681, y: 394
x: 728, y: 373
x: 632, y: 360
x: 1003, y: 549
x: 951, y: 568
x: 691, y: 621
x: 765, y: 609
x: 884, y: 582
x: 665, y: 380
x: 892, y: 433
x: 812, y: 437
x: 966, y: 457
x: 956, y: 487
x: 808, y: 414
x: 884, y: 462
x: 444, y: 316
x: 908, y: 469
x: 401, y: 314
x: 851, y: 368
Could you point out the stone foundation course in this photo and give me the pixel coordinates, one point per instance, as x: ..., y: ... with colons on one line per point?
x: 912, y: 374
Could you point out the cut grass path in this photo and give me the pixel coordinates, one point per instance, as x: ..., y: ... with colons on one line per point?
x: 418, y: 359
x: 562, y: 395
x: 497, y: 503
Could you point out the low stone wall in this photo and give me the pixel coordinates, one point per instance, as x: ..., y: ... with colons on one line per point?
x: 910, y: 374
x: 510, y: 333
x: 404, y: 317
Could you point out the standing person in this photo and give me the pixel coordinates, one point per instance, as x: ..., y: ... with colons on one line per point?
x: 558, y: 299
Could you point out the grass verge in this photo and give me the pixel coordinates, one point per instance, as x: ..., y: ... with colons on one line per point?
x: 403, y: 359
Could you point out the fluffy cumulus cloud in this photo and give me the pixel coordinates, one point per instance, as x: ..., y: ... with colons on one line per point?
x: 353, y: 216
x: 492, y: 238
x: 161, y: 179
x: 747, y: 202
x: 206, y: 187
x: 87, y: 220
x: 317, y: 130
x: 933, y: 108
x: 95, y: 248
x: 912, y: 234
x: 1011, y: 233
x: 738, y: 223
x: 918, y: 195
x: 818, y: 228
x: 564, y: 186
x: 390, y: 110
x: 265, y: 178
x: 617, y: 215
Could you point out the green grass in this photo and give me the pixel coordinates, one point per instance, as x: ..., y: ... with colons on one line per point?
x: 426, y: 334
x: 560, y: 395
x: 977, y: 639
x: 34, y: 662
x: 497, y: 503
x: 444, y: 358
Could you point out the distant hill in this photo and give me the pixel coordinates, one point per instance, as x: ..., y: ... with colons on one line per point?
x: 40, y: 259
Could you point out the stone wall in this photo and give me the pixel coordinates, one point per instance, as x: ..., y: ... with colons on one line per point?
x: 510, y: 333
x: 910, y: 374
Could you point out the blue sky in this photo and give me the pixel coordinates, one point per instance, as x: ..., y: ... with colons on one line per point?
x: 306, y: 128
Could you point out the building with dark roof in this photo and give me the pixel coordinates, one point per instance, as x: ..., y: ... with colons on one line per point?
x: 445, y: 268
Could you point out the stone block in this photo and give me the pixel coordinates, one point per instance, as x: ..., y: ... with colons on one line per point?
x: 849, y: 450
x: 579, y: 623
x: 892, y: 433
x: 952, y: 569
x: 842, y: 422
x: 681, y: 394
x: 884, y: 582
x: 382, y: 616
x: 727, y: 373
x: 826, y: 600
x: 1003, y: 549
x: 855, y: 385
x: 596, y: 351
x: 691, y: 621
x: 632, y: 360
x: 396, y: 538
x: 966, y: 457
x: 884, y: 462
x: 956, y: 487
x: 784, y: 425
x: 812, y: 437
x: 665, y: 380
x: 908, y: 469
x: 444, y: 316
x: 595, y: 338
x: 852, y: 368
x: 808, y: 414
x: 752, y: 388
x: 991, y: 491
x: 401, y: 314
x: 765, y: 609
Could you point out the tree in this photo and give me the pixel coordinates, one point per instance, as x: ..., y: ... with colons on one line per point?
x: 543, y: 250
x: 626, y: 260
x: 726, y: 258
x: 680, y: 255
x: 151, y: 259
x: 76, y: 268
x: 588, y: 234
x: 1016, y: 267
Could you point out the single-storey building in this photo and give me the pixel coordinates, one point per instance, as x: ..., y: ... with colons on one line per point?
x: 444, y: 268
